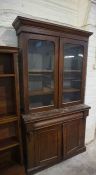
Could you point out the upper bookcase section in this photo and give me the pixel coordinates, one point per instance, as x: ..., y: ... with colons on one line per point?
x: 53, y: 64
x: 22, y: 24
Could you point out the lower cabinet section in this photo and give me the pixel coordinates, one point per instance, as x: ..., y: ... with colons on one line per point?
x: 47, y: 142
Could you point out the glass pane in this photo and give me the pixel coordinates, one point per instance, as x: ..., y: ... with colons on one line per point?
x: 41, y: 77
x: 73, y: 58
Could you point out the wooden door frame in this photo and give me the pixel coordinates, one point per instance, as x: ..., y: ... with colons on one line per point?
x: 61, y: 63
x: 26, y: 38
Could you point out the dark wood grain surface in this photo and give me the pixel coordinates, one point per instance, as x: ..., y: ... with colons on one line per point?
x: 55, y: 132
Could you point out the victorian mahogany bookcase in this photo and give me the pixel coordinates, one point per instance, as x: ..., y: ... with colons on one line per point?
x: 52, y: 66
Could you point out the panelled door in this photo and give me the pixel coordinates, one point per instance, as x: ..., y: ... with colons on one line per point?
x: 73, y: 137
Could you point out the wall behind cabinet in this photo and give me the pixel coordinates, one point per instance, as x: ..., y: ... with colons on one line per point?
x: 72, y: 13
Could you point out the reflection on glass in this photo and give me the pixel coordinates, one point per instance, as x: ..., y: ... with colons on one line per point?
x: 41, y: 78
x: 73, y: 57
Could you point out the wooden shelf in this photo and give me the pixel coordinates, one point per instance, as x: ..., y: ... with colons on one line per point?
x: 72, y: 71
x: 71, y: 90
x: 40, y: 71
x: 71, y: 79
x: 13, y: 169
x: 6, y: 75
x: 39, y: 75
x: 8, y: 119
x: 9, y: 107
x: 8, y: 143
x: 43, y: 91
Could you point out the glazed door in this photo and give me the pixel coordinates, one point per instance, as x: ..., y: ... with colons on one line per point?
x: 42, y: 79
x: 72, y: 71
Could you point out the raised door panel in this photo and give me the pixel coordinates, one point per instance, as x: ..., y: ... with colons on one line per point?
x: 40, y: 63
x: 48, y: 145
x: 73, y: 137
x: 72, y: 71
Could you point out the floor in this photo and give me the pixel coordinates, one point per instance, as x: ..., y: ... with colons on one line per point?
x: 83, y: 164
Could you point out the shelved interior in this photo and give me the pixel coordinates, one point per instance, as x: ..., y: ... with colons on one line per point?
x: 72, y: 75
x: 41, y: 73
x: 7, y: 96
x: 9, y: 138
x: 6, y: 64
x: 8, y: 135
x: 7, y: 85
x: 9, y: 144
x: 9, y: 158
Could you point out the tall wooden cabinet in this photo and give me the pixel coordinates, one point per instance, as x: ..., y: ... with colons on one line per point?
x: 52, y: 66
x: 10, y: 132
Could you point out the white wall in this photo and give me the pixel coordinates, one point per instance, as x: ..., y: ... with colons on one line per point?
x: 83, y: 11
x: 90, y: 96
x: 80, y: 13
x: 63, y: 11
